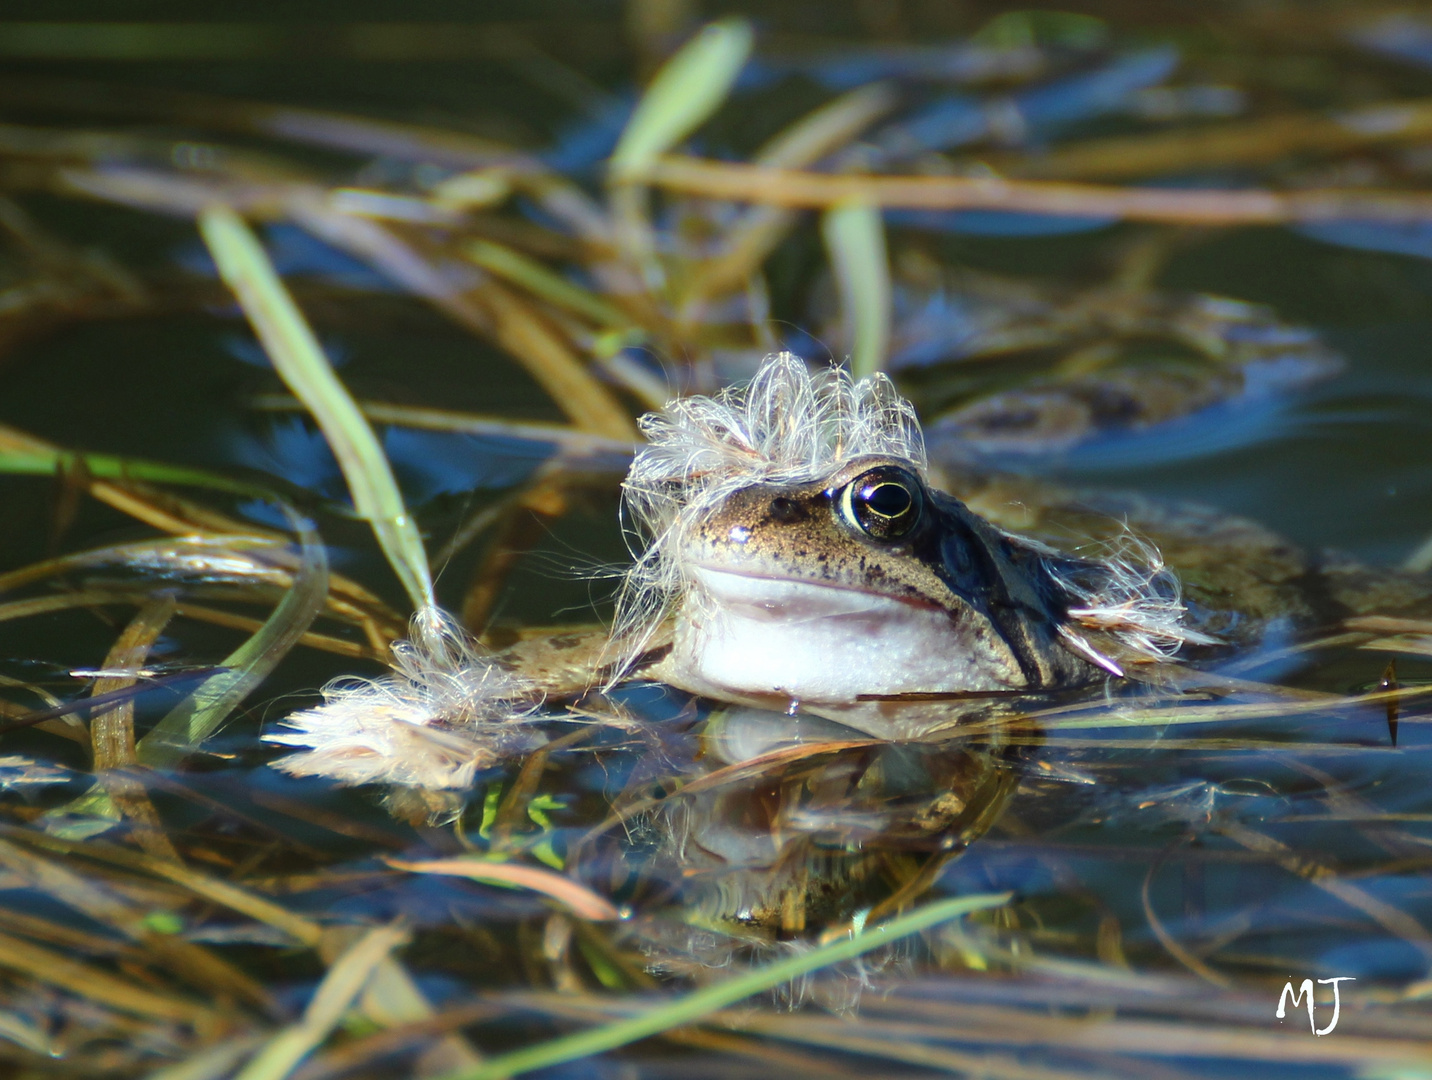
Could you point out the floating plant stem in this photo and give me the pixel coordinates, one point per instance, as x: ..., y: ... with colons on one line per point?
x: 197, y: 717
x: 694, y: 1006
x: 577, y: 898
x: 855, y: 240
x: 300, y: 362
x: 1187, y: 206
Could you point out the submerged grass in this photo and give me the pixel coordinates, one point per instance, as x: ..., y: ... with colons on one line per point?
x: 184, y: 729
x: 695, y: 1006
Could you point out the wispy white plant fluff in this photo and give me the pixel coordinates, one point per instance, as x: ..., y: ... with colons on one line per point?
x: 442, y: 713
x: 788, y: 425
x: 791, y: 425
x: 1130, y: 595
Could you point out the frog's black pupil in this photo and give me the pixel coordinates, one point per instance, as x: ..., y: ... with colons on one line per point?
x: 888, y: 500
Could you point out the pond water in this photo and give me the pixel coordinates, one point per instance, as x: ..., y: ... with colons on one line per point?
x: 1174, y: 851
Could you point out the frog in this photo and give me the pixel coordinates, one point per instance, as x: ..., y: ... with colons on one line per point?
x: 806, y: 561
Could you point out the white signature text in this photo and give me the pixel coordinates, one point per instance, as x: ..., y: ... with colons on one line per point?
x: 1307, y: 990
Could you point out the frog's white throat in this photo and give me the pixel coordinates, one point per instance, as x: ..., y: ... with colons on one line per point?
x: 739, y: 633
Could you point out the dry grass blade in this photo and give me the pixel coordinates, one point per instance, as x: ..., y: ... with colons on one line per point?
x: 1248, y: 142
x: 569, y: 440
x: 578, y: 899
x: 1080, y: 717
x: 223, y: 893
x: 1182, y: 206
x: 520, y: 331
x: 392, y: 999
x: 761, y: 228
x: 547, y: 358
x: 336, y: 993
x: 112, y: 730
x: 41, y: 605
x: 88, y: 981
x: 247, y: 560
x: 543, y: 283
x: 1393, y: 919
x: 299, y: 359
x: 309, y: 639
x: 88, y: 895
x: 26, y: 1035
x: 1028, y: 1028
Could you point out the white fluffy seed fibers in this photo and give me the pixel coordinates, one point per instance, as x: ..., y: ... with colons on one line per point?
x: 443, y: 712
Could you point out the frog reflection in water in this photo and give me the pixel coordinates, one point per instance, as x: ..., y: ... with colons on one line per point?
x: 810, y: 565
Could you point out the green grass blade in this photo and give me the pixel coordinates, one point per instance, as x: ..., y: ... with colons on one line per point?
x: 544, y: 283
x: 855, y: 239
x: 109, y: 467
x: 195, y: 718
x: 684, y: 92
x: 300, y: 362
x: 692, y: 1007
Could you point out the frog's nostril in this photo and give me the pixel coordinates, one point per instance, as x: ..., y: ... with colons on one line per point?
x: 784, y: 509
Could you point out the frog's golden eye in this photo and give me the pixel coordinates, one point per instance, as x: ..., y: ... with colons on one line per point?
x: 884, y: 503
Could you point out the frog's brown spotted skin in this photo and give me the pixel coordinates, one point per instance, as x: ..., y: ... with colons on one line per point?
x: 788, y: 591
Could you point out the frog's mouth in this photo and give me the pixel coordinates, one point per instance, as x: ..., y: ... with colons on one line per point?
x: 770, y: 597
x: 811, y: 641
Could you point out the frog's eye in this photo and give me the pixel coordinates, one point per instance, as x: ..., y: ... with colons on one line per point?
x: 884, y: 503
